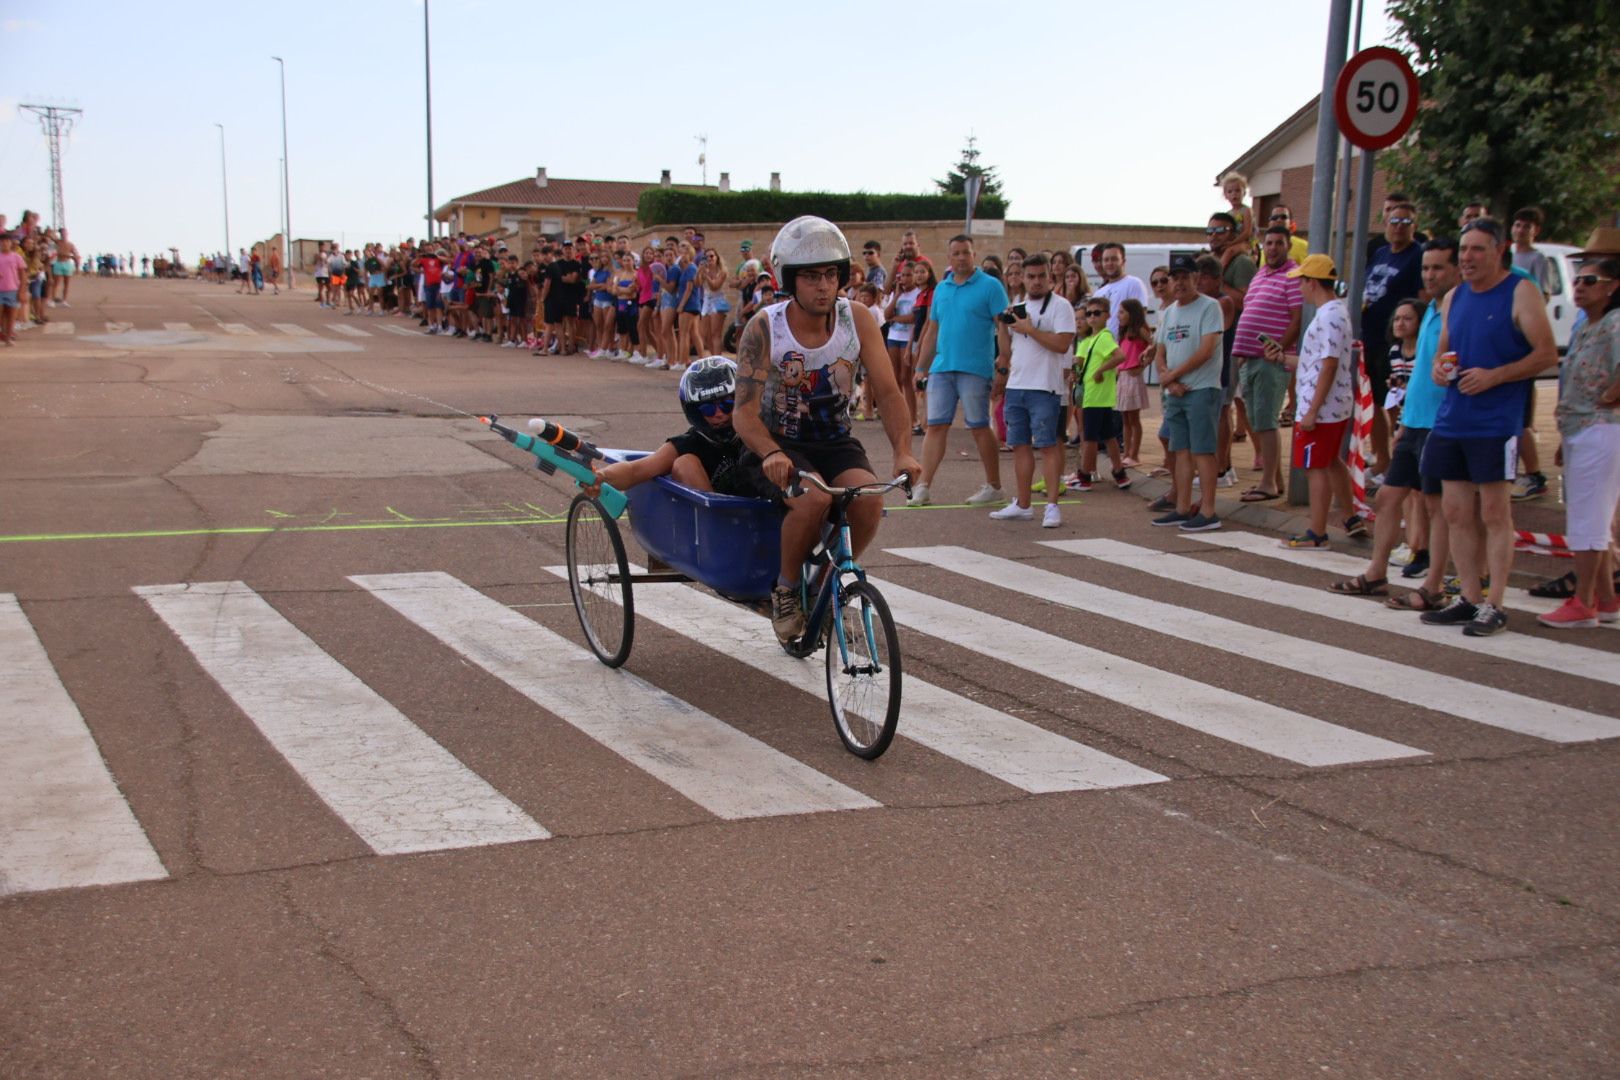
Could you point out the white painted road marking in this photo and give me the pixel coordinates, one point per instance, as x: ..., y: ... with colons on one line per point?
x: 1011, y: 750
x: 120, y: 327
x: 403, y: 331
x: 1560, y: 656
x: 294, y: 329
x: 63, y: 821
x: 345, y: 328
x: 178, y: 326
x: 1224, y: 714
x: 57, y: 327
x: 240, y: 329
x: 398, y: 789
x: 1350, y: 565
x: 1400, y: 682
x: 723, y: 770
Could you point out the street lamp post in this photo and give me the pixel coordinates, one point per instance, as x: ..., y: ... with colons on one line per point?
x: 286, y: 183
x: 224, y: 190
x: 427, y: 70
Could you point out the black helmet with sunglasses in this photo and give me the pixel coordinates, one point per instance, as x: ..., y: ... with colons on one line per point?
x: 709, y: 383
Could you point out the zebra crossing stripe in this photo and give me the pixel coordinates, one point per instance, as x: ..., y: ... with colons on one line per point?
x: 397, y: 788
x: 120, y: 327
x: 239, y: 329
x: 1212, y: 710
x: 63, y: 821
x: 1553, y: 655
x: 56, y: 327
x: 1330, y: 663
x: 723, y: 770
x: 177, y: 326
x: 1011, y: 750
x: 1348, y: 565
x: 294, y: 329
x: 402, y: 331
x: 345, y: 328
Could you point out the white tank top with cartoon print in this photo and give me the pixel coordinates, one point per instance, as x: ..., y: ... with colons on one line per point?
x: 807, y: 391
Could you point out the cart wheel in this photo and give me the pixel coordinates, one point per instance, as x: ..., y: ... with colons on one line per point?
x: 863, y: 671
x: 599, y: 581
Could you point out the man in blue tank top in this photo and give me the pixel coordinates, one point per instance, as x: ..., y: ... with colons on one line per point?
x: 1496, y: 324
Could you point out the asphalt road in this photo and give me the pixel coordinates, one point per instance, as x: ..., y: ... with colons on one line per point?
x: 304, y: 769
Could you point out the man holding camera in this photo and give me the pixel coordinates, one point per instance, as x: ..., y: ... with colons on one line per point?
x: 1035, y: 340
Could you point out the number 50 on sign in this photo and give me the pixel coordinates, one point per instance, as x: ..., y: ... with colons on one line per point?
x: 1376, y: 98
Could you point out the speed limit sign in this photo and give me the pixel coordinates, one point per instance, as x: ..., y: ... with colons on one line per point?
x: 1376, y: 98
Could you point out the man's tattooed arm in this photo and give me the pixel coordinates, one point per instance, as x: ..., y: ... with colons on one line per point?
x: 753, y: 375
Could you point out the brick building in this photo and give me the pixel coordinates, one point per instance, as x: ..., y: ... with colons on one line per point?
x: 1281, y: 168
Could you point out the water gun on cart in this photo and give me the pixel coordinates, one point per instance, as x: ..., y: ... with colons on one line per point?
x: 556, y: 448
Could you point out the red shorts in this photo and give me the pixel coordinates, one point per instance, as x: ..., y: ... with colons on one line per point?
x: 1319, y: 447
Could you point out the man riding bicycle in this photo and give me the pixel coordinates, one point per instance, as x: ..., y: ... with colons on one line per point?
x: 796, y: 367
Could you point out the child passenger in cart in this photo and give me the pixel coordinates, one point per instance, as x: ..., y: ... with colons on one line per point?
x: 708, y: 456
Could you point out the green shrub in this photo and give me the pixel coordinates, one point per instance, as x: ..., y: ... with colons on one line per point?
x: 669, y: 206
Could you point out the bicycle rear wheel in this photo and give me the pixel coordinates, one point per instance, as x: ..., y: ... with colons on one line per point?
x: 863, y: 671
x: 599, y: 581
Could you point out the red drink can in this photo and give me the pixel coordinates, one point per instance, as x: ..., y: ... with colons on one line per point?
x: 1448, y: 365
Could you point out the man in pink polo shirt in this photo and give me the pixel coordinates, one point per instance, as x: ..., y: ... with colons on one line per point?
x: 1271, y: 307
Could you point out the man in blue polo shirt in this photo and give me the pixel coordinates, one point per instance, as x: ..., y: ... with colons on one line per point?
x: 957, y: 361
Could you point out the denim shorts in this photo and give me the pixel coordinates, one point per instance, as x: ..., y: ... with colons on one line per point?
x: 8, y: 298
x: 666, y: 301
x: 946, y: 388
x: 1032, y: 417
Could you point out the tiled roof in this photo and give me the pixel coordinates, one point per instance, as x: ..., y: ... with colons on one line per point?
x: 561, y: 194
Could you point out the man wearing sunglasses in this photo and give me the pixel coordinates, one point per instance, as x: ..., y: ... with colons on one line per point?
x: 1394, y: 274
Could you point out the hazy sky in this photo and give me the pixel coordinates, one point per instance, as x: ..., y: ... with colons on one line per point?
x: 1090, y: 111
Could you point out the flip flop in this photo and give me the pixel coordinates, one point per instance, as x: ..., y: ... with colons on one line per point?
x: 1254, y: 495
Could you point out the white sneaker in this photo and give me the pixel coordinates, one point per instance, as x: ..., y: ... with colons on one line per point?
x: 1227, y: 479
x: 1401, y: 556
x: 1013, y: 512
x: 1052, y: 518
x: 658, y: 365
x: 919, y: 495
x: 985, y: 495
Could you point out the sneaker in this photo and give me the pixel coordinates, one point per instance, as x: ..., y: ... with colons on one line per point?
x: 1052, y: 517
x: 919, y: 495
x: 787, y: 614
x: 1419, y: 566
x: 1570, y: 615
x: 1161, y: 504
x: 1305, y: 541
x: 1227, y: 479
x: 1201, y: 523
x: 1122, y: 479
x: 1401, y: 556
x: 658, y: 365
x: 1529, y: 486
x: 1172, y: 518
x: 1078, y: 482
x: 1013, y: 512
x: 1456, y: 613
x: 1356, y: 527
x: 985, y: 495
x: 1488, y: 621
x: 1608, y: 612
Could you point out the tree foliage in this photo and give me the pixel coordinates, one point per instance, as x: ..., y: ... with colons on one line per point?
x: 955, y: 182
x: 1519, y: 108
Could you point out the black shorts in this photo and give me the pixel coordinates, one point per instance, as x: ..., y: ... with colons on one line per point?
x: 1098, y: 425
x: 1405, y: 463
x: 554, y: 311
x: 1530, y: 405
x: 486, y: 306
x: 624, y: 321
x: 829, y: 458
x: 1490, y: 460
x: 352, y: 283
x: 580, y: 310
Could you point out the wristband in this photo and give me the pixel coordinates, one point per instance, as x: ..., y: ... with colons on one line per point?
x: 772, y: 454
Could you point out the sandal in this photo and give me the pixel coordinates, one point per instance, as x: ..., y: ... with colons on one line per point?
x: 1419, y: 599
x: 1356, y: 527
x: 1361, y: 585
x: 1556, y: 589
x: 1307, y: 540
x: 1254, y: 495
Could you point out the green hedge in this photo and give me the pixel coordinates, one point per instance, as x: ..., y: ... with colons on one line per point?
x: 669, y: 206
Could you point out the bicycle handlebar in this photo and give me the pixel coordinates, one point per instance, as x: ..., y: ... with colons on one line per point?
x: 880, y: 488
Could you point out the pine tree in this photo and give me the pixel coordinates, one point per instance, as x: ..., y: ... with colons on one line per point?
x: 955, y: 182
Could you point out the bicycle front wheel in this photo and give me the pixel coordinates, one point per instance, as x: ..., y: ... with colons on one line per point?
x: 863, y: 671
x: 599, y: 581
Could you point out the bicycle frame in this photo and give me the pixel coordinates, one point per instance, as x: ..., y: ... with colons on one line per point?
x: 832, y: 563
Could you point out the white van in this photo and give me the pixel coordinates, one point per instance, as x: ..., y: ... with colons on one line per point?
x: 1140, y: 259
x: 1561, y: 304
